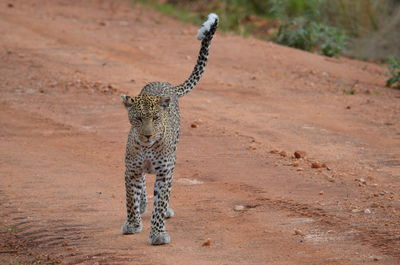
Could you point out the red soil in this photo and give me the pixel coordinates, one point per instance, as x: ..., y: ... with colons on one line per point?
x: 63, y: 132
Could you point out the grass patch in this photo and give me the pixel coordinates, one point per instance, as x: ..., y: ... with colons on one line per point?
x: 394, y: 70
x: 12, y: 228
x: 172, y: 11
x: 349, y: 91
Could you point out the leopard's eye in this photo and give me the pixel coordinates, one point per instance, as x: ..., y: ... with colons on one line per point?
x: 155, y: 118
x: 139, y: 119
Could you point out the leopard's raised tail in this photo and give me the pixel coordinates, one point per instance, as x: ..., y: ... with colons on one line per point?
x: 205, y: 34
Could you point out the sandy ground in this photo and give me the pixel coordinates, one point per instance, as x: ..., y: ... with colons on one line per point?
x: 63, y: 131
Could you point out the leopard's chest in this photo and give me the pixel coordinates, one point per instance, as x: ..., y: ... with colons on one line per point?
x: 152, y: 159
x: 148, y: 166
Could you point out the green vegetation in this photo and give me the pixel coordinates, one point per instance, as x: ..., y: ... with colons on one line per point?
x: 366, y: 29
x: 312, y: 36
x: 349, y: 91
x: 12, y: 228
x: 172, y: 10
x: 394, y: 69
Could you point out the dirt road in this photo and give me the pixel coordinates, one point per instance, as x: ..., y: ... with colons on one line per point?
x: 63, y: 132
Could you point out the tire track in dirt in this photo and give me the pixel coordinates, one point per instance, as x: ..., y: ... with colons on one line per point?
x: 59, y: 241
x: 386, y: 238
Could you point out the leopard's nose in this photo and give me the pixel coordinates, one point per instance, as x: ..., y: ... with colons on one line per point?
x: 148, y: 136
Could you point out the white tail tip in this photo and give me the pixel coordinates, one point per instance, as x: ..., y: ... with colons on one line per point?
x: 206, y: 25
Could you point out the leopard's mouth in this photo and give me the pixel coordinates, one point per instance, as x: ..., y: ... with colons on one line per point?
x: 147, y: 141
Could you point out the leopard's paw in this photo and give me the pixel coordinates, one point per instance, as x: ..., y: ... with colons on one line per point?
x: 170, y: 213
x: 159, y: 238
x: 130, y: 228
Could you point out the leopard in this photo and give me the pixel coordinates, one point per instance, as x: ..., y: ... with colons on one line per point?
x: 154, y: 117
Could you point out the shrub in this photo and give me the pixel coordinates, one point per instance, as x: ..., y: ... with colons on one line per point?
x: 308, y: 35
x: 297, y: 34
x: 394, y: 69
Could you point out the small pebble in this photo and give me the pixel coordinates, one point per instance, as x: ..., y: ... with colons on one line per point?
x: 331, y: 179
x: 299, y: 232
x: 251, y: 147
x: 238, y: 208
x: 299, y: 154
x: 207, y: 243
x: 367, y: 211
x: 196, y: 124
x: 316, y: 165
x: 374, y: 258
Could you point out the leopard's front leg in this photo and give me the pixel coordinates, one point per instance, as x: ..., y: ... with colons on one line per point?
x: 162, y: 191
x: 143, y: 195
x: 134, y: 182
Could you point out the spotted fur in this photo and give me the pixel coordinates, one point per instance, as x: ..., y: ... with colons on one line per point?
x: 151, y: 148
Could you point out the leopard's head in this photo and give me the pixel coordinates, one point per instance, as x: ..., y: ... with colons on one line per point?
x: 148, y: 116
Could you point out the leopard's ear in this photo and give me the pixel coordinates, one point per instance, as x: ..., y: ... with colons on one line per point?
x: 127, y: 100
x: 164, y: 102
